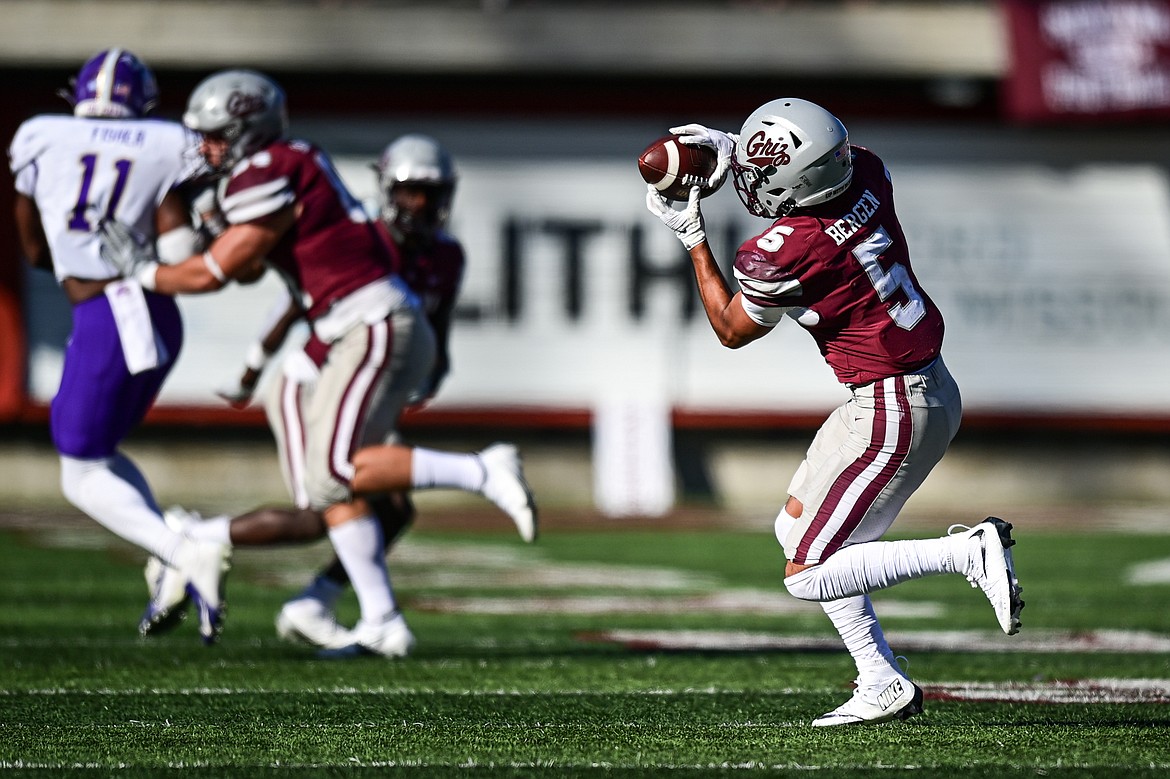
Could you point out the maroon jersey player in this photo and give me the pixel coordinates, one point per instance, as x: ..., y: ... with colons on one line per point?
x: 335, y: 408
x: 416, y: 185
x: 416, y: 182
x: 835, y: 260
x: 847, y: 271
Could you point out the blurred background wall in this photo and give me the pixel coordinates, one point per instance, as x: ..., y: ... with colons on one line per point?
x: 1028, y: 145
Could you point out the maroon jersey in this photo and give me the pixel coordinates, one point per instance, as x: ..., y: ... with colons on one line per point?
x: 844, y: 267
x: 334, y: 248
x: 435, y: 272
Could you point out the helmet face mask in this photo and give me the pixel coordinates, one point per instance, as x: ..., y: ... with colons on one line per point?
x: 791, y: 153
x: 416, y: 184
x: 414, y: 210
x: 243, y: 108
x: 113, y: 84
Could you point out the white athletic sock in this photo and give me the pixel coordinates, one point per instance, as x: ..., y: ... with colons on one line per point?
x: 217, y: 529
x: 432, y: 469
x: 858, y: 627
x: 358, y: 544
x: 112, y: 491
x: 863, y: 568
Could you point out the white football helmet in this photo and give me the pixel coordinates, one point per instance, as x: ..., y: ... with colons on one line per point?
x: 421, y: 161
x: 246, y: 108
x: 790, y: 153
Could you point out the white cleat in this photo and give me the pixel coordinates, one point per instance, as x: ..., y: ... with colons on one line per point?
x: 204, y: 565
x: 391, y: 638
x: 504, y: 485
x: 310, y: 621
x: 181, y: 520
x: 167, y: 606
x: 989, y: 567
x: 900, y: 699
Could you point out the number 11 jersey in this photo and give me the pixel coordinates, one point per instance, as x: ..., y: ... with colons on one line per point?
x: 81, y: 170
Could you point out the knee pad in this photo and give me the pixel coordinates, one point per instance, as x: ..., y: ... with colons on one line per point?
x: 783, y: 527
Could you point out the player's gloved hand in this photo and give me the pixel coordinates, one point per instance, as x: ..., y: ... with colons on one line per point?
x: 206, y: 205
x: 687, y: 223
x: 723, y: 144
x: 237, y: 395
x: 129, y: 254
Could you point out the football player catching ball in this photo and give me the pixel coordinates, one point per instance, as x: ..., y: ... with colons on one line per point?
x: 834, y: 260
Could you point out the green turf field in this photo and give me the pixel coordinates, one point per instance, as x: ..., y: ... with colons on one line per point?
x: 594, y: 653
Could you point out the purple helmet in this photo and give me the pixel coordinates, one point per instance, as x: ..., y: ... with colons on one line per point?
x: 114, y: 83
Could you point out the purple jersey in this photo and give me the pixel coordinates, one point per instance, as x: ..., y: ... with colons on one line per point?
x: 844, y: 269
x: 334, y: 248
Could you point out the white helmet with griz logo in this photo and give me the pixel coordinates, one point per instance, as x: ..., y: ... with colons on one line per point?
x: 791, y: 153
x: 244, y: 107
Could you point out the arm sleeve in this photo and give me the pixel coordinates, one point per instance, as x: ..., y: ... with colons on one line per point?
x: 769, y: 292
x: 259, y: 200
x: 765, y: 316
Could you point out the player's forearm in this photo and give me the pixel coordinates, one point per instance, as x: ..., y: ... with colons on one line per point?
x: 278, y: 333
x: 724, y: 311
x: 33, y: 243
x: 714, y: 292
x: 192, y: 276
x: 237, y: 253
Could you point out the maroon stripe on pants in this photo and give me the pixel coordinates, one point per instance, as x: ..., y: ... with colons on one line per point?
x: 896, y: 451
x: 361, y: 393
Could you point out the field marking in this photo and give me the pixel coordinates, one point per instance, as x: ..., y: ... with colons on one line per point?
x: 739, y: 601
x: 1104, y: 690
x: 1059, y: 691
x: 1033, y: 641
x: 1153, y: 572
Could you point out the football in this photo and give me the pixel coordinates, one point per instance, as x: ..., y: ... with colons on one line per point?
x: 674, y: 167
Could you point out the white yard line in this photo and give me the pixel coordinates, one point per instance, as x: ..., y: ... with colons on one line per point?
x: 1034, y: 641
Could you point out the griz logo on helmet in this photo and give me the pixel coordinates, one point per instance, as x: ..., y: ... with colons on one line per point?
x: 763, y: 151
x: 241, y: 104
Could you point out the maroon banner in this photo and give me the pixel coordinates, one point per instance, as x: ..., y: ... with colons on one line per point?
x: 1087, y: 60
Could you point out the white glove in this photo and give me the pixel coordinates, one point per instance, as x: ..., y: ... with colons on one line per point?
x: 127, y: 252
x: 723, y: 144
x: 206, y: 206
x: 687, y: 224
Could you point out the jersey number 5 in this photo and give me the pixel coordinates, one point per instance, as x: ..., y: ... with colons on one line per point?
x: 887, y: 282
